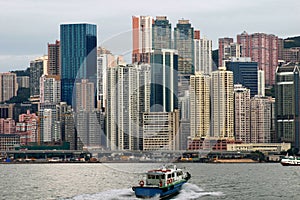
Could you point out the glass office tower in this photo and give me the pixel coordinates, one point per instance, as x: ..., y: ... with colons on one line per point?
x: 78, y: 57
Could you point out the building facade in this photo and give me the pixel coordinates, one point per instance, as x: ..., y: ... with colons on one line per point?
x: 203, y: 55
x: 291, y: 54
x: 128, y: 96
x: 38, y: 67
x: 245, y: 73
x: 7, y: 110
x: 105, y: 60
x: 50, y: 87
x: 184, y: 44
x: 65, y: 117
x: 54, y: 59
x: 27, y: 128
x: 7, y: 126
x: 89, y: 129
x: 8, y: 86
x: 242, y: 113
x: 263, y: 49
x: 47, y: 123
x: 9, y: 142
x: 85, y: 96
x: 141, y: 38
x: 199, y: 106
x: 164, y: 80
x: 261, y: 119
x: 78, y: 43
x: 161, y: 33
x: 222, y: 104
x: 287, y: 94
x: 224, y: 50
x: 160, y: 131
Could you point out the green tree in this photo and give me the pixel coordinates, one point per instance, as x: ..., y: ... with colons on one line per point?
x: 23, y: 95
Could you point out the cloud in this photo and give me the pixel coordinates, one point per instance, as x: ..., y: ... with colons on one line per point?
x: 28, y: 25
x: 14, y: 62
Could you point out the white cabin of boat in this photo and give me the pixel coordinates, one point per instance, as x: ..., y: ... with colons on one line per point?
x: 164, y: 176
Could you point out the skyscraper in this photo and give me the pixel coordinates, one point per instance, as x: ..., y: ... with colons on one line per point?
x: 88, y: 128
x: 104, y: 60
x: 8, y: 86
x: 141, y: 38
x: 200, y: 105
x: 184, y: 44
x: 263, y: 49
x: 161, y: 33
x: 50, y: 89
x: 85, y: 96
x: 287, y: 93
x: 78, y: 57
x: 222, y: 104
x: 38, y: 67
x: 261, y: 119
x: 47, y: 118
x: 65, y: 117
x: 242, y: 113
x: 128, y: 97
x: 245, y: 73
x: 164, y: 65
x: 160, y: 131
x: 54, y: 58
x: 203, y: 55
x: 223, y: 44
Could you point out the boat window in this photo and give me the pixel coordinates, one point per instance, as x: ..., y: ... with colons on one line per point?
x: 163, y: 176
x: 173, y: 174
x: 157, y: 177
x: 169, y: 175
x: 151, y: 176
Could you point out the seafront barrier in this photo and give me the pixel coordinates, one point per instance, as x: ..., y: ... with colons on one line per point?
x: 71, y: 156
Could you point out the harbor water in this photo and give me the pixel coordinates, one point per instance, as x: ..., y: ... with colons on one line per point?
x: 113, y: 181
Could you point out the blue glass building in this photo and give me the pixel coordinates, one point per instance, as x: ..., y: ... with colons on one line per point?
x: 184, y: 43
x: 245, y: 73
x: 164, y: 80
x: 161, y: 33
x: 78, y: 57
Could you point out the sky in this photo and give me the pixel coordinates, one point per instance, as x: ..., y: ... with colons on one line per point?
x: 27, y: 26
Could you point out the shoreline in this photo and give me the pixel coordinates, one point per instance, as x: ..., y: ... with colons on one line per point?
x: 220, y: 161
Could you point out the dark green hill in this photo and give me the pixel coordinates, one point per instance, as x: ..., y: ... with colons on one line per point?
x: 292, y: 42
x: 25, y: 72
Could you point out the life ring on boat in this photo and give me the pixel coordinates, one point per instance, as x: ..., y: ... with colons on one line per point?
x: 142, y: 183
x: 160, y: 183
x: 168, y: 181
x: 171, y: 180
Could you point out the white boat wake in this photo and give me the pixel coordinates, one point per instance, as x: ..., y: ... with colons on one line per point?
x: 189, y: 191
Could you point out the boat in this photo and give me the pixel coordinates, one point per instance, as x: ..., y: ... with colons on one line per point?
x: 290, y: 161
x: 164, y: 182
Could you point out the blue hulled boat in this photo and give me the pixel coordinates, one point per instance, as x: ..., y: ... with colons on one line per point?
x: 164, y: 182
